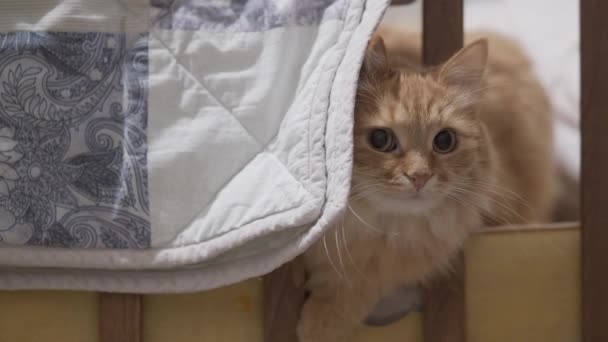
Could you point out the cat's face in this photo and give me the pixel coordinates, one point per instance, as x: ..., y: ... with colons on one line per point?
x: 418, y: 139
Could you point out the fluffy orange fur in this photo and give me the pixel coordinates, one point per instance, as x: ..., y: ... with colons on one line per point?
x: 412, y: 202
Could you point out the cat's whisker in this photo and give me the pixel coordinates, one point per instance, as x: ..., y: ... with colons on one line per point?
x: 470, y: 203
x: 349, y: 255
x: 499, y: 195
x: 507, y: 208
x: 331, y: 261
x: 500, y: 205
x: 367, y: 93
x: 463, y: 200
x: 364, y: 186
x: 370, y: 95
x: 493, y: 186
x: 495, y: 190
x: 367, y: 97
x: 362, y: 195
x: 367, y: 183
x: 339, y: 252
x: 366, y: 190
x: 462, y: 197
x: 366, y: 102
x: 366, y: 223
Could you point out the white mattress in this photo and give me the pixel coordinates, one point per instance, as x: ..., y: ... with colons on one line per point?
x: 172, y: 145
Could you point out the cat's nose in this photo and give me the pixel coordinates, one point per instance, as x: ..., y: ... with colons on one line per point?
x: 418, y: 180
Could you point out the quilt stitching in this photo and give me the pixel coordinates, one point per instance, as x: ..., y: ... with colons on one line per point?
x: 314, y: 13
x: 225, y: 107
x: 204, y: 86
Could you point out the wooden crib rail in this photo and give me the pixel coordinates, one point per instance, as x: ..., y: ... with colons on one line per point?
x: 120, y: 317
x: 444, y: 302
x: 594, y: 168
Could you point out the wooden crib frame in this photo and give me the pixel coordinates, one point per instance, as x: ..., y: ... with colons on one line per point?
x: 120, y: 314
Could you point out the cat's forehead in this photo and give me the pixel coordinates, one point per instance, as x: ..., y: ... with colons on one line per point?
x: 415, y: 99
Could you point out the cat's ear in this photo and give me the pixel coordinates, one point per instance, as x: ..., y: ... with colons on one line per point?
x: 465, y: 69
x: 375, y: 61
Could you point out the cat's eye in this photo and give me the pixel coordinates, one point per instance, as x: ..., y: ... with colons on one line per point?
x: 383, y: 140
x: 444, y: 141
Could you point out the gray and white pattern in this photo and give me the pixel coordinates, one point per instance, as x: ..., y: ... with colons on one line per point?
x: 73, y: 116
x: 243, y: 15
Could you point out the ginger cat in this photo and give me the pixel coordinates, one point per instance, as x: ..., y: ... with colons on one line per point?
x: 438, y: 152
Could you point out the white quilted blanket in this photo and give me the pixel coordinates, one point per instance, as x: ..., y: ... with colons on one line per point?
x: 172, y: 145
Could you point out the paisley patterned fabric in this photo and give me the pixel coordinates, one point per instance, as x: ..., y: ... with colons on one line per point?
x: 243, y: 15
x: 73, y: 116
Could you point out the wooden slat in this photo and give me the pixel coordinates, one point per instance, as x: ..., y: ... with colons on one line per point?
x: 444, y: 308
x: 594, y: 172
x: 284, y: 296
x: 120, y: 317
x: 442, y: 30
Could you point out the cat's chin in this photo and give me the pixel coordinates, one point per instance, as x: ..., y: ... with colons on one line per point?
x: 403, y: 202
